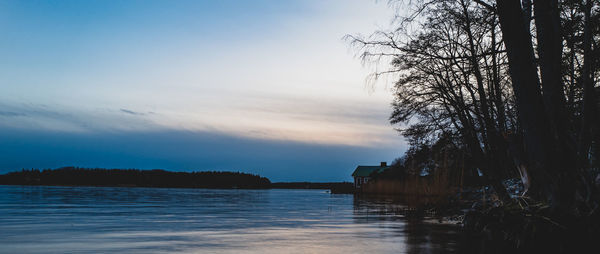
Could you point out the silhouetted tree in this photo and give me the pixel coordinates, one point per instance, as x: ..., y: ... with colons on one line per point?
x: 513, y: 82
x: 451, y: 81
x: 557, y: 143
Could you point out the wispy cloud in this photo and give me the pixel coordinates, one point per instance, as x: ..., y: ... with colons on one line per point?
x: 72, y: 119
x: 11, y: 114
x: 295, y: 119
x: 285, y: 75
x: 131, y: 112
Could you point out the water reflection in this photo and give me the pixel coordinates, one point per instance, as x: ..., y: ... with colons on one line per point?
x: 144, y: 220
x: 420, y: 233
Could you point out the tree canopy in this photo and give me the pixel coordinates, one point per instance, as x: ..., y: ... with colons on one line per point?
x: 513, y: 84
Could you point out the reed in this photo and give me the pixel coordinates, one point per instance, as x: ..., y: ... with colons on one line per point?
x: 436, y: 184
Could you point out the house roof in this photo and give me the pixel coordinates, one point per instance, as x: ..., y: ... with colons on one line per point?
x: 368, y: 170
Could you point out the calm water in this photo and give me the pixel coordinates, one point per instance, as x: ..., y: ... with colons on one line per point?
x: 146, y: 220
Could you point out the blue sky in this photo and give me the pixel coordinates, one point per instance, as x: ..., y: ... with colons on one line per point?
x: 265, y: 87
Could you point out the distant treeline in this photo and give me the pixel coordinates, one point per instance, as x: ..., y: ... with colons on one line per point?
x: 73, y: 176
x: 310, y: 185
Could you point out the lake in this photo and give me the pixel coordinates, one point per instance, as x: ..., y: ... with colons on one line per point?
x: 44, y: 219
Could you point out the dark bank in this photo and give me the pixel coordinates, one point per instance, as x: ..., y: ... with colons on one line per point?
x: 73, y: 176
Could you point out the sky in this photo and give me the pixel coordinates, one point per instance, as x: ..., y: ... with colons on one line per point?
x: 266, y: 87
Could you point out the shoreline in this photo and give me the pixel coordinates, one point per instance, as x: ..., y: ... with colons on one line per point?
x: 313, y: 186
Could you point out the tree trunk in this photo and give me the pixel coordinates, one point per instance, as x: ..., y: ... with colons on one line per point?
x: 549, y: 42
x: 538, y: 139
x: 590, y: 125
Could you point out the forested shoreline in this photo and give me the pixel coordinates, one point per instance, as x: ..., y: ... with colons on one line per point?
x: 73, y: 176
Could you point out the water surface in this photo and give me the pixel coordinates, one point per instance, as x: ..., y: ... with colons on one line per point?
x: 40, y: 219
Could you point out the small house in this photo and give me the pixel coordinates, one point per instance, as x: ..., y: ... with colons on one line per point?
x: 362, y: 174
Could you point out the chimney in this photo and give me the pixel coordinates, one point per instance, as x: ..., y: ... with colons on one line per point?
x: 384, y: 164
